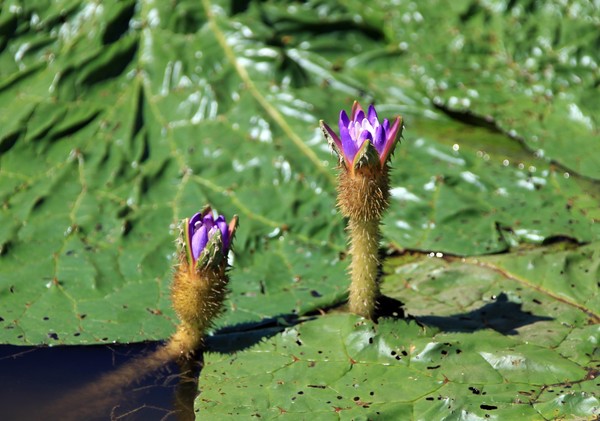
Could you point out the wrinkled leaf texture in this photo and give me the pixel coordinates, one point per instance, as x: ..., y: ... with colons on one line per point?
x: 120, y: 118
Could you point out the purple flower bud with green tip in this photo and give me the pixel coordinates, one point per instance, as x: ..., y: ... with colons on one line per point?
x: 207, y: 237
x: 363, y: 137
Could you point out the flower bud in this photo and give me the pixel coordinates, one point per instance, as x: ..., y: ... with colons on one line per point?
x: 364, y: 148
x: 200, y: 279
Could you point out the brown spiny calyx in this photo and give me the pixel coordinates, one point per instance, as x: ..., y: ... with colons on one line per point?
x: 363, y: 194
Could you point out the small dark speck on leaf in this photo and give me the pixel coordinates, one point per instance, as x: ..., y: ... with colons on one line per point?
x: 153, y: 311
x: 433, y: 367
x: 371, y: 340
x: 339, y: 397
x: 488, y: 407
x: 262, y: 287
x: 298, y: 342
x: 405, y: 353
x: 315, y: 293
x: 356, y: 398
x: 444, y: 352
x: 474, y: 390
x: 82, y: 316
x: 104, y: 339
x: 429, y: 398
x: 76, y: 334
x: 317, y: 386
x: 371, y: 393
x: 537, y: 301
x: 1, y: 319
x: 12, y: 289
x: 458, y: 351
x: 53, y: 335
x: 46, y: 318
x: 70, y: 252
x: 301, y: 392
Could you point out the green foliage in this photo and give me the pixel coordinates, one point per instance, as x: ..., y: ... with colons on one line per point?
x: 120, y: 118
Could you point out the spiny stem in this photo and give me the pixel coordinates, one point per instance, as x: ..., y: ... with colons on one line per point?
x: 364, y: 268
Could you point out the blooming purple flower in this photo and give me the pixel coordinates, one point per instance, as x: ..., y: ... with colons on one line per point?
x: 359, y: 128
x: 201, y: 229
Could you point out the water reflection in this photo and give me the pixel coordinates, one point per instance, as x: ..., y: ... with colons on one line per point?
x: 35, y: 378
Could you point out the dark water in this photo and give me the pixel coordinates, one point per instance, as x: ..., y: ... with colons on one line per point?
x: 33, y: 378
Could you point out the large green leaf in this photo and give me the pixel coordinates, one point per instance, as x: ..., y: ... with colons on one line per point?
x: 495, y: 336
x: 110, y: 136
x: 120, y: 118
x: 116, y: 137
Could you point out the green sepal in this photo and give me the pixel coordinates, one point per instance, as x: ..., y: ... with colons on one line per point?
x: 367, y: 156
x: 213, y: 254
x: 185, y: 234
x: 333, y: 140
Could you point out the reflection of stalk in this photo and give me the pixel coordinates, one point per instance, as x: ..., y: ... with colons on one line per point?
x: 364, y: 268
x: 95, y: 397
x: 187, y: 388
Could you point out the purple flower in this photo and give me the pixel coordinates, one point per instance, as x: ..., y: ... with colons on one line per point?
x: 359, y: 130
x: 201, y: 230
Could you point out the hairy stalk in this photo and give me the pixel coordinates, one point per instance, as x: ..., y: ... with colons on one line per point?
x: 364, y: 268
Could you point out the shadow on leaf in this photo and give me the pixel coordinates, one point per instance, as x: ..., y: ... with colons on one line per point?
x: 238, y: 337
x: 502, y: 315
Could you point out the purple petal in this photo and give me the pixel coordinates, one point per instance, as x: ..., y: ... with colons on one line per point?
x: 372, y: 116
x: 222, y: 225
x: 360, y: 116
x: 208, y: 221
x: 199, y: 241
x: 379, y: 140
x: 355, y: 109
x: 390, y: 139
x: 192, y: 224
x: 386, y: 124
x: 348, y: 146
x: 365, y: 135
x: 344, y: 120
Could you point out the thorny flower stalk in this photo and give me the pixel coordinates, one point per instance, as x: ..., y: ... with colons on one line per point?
x: 199, y: 287
x: 364, y: 148
x: 200, y: 279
